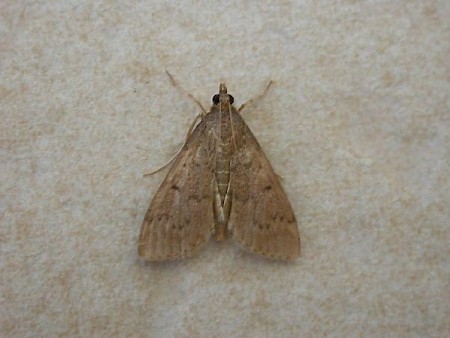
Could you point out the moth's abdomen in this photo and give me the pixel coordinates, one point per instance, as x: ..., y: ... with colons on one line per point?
x: 223, y: 172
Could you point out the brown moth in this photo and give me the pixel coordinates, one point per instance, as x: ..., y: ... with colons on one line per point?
x: 220, y: 184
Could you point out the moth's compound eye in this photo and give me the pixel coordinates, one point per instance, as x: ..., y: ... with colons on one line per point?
x: 230, y: 98
x: 215, y: 99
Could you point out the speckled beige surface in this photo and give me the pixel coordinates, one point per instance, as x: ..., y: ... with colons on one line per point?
x: 357, y: 125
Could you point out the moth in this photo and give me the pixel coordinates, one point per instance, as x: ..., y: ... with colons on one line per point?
x: 220, y: 184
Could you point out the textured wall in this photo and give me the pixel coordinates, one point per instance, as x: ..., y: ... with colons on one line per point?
x: 357, y: 124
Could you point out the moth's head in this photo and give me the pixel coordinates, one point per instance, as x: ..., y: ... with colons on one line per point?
x: 222, y: 97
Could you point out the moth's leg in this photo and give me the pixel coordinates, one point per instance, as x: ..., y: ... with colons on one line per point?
x: 164, y: 165
x: 186, y: 93
x: 191, y: 127
x: 257, y: 98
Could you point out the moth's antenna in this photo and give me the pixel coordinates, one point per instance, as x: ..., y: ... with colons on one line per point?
x: 257, y: 98
x: 185, y: 92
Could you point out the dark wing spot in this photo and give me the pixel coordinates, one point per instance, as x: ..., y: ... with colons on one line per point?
x: 161, y: 217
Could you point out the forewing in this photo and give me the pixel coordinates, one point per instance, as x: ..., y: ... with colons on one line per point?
x: 261, y: 219
x: 180, y: 217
